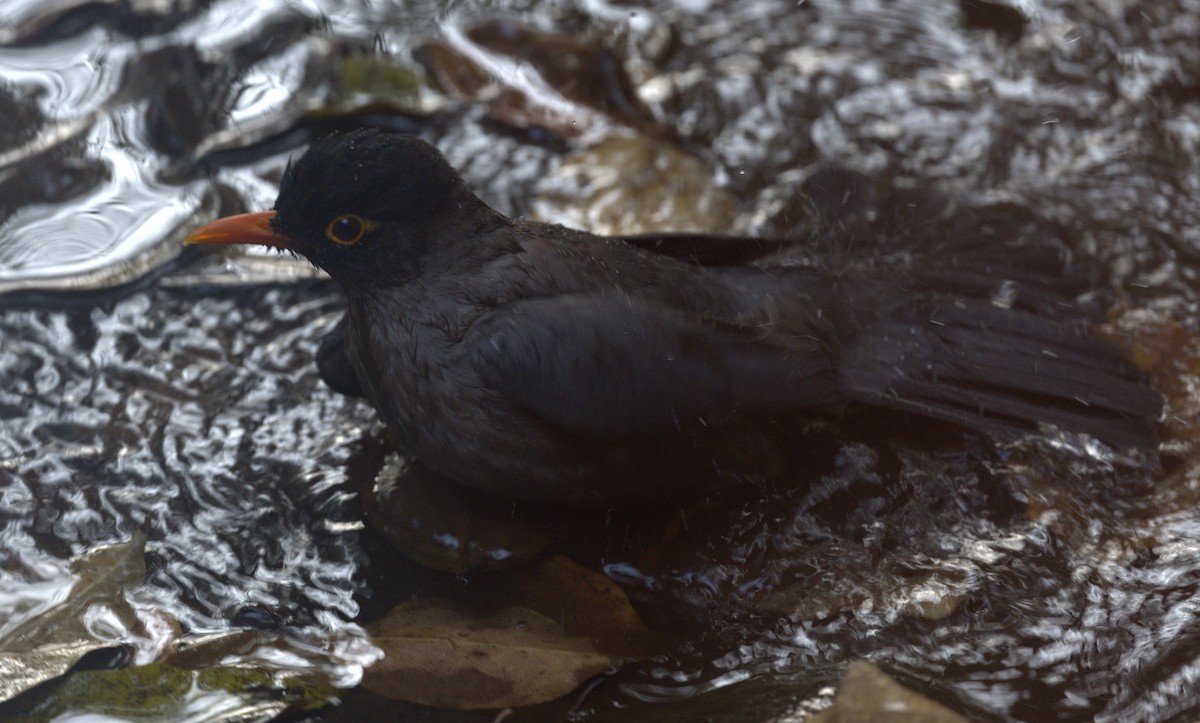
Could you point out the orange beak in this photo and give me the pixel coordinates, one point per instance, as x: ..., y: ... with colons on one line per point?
x: 248, y: 228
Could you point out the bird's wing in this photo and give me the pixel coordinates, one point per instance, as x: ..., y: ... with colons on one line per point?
x: 616, y: 365
x: 712, y: 250
x: 333, y: 362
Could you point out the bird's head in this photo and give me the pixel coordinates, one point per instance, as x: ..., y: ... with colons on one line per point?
x: 359, y: 205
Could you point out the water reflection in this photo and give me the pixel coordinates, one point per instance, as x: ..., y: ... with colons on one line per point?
x: 117, y: 441
x: 104, y: 144
x: 73, y: 78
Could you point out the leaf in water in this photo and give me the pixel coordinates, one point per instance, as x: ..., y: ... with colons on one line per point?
x: 636, y: 185
x: 452, y: 71
x: 1167, y: 350
x: 439, y: 656
x: 587, y: 603
x: 46, y: 646
x: 164, y: 692
x: 579, y: 82
x: 582, y: 72
x: 866, y: 693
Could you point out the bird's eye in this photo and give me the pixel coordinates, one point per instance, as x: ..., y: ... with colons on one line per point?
x: 348, y: 229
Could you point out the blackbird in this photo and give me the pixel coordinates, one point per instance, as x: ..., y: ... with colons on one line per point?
x: 537, y: 362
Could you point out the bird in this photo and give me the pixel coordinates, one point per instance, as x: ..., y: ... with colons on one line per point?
x: 536, y: 362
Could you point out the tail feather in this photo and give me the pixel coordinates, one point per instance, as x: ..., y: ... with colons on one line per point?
x: 991, y: 368
x: 1090, y: 382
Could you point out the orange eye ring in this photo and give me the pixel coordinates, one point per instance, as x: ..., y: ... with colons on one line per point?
x: 348, y: 229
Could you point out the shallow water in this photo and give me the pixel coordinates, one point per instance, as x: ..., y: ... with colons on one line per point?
x: 174, y: 393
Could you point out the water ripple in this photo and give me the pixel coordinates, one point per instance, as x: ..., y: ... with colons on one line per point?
x: 193, y: 464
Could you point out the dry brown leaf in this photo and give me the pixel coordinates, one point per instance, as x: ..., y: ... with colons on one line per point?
x: 867, y: 695
x: 586, y: 603
x: 1170, y: 353
x: 437, y: 655
x: 631, y: 185
x: 579, y: 81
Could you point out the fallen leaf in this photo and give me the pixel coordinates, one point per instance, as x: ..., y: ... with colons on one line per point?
x: 1170, y: 353
x: 868, y: 695
x: 581, y: 72
x: 585, y: 603
x: 576, y: 81
x: 632, y: 185
x: 441, y: 656
x: 452, y: 71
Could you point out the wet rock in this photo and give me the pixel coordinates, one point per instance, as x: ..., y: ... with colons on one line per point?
x: 1170, y: 352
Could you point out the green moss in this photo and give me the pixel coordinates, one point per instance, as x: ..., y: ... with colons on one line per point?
x: 375, y: 77
x: 159, y: 690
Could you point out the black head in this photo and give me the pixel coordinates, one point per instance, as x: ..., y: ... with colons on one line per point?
x: 362, y: 205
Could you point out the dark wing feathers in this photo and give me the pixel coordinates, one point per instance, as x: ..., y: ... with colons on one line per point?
x: 619, y: 366
x: 712, y: 250
x: 333, y: 362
